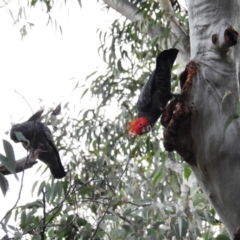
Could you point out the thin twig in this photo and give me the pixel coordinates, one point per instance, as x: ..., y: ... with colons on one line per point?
x: 15, y: 91
x: 110, y: 201
x: 120, y: 216
x: 5, y: 3
x: 100, y: 221
x: 139, y: 205
x: 106, y: 234
x: 54, y: 237
x: 57, y: 207
x: 19, y: 193
x: 44, y: 214
x: 68, y: 194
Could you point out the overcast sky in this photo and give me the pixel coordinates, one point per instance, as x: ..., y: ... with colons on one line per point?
x: 40, y: 65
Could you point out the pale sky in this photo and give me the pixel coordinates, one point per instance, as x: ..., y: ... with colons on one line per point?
x: 40, y: 66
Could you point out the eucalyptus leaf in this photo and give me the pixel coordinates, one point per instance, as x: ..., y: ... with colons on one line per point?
x: 222, y: 237
x: 3, y: 184
x: 9, y: 153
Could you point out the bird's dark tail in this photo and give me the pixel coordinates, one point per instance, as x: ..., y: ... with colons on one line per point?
x: 170, y: 54
x: 58, y: 171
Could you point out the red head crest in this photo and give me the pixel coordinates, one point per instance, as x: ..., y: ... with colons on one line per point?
x: 139, y: 126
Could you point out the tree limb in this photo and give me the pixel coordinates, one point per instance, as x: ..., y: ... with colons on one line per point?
x: 21, y: 164
x: 23, y: 99
x: 129, y: 10
x: 111, y: 198
x: 125, y: 8
x: 19, y: 193
x: 44, y: 215
x: 120, y: 216
x: 176, y: 29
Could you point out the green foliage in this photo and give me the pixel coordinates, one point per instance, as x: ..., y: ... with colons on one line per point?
x: 3, y: 184
x: 9, y: 161
x: 187, y: 171
x: 222, y: 237
x: 117, y: 187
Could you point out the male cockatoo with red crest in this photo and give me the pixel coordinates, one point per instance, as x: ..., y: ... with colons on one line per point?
x: 155, y: 94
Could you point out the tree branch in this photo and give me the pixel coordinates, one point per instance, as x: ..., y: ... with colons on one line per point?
x: 46, y: 225
x: 23, y: 99
x: 129, y: 10
x: 110, y: 200
x: 55, y: 236
x: 21, y: 165
x: 176, y: 29
x: 120, y: 216
x: 44, y: 215
x: 19, y: 193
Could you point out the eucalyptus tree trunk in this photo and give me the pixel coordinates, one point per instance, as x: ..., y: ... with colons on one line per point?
x: 195, y: 122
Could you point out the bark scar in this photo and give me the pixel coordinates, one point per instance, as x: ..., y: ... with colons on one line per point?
x: 214, y: 38
x: 177, y: 118
x: 229, y: 39
x: 230, y: 36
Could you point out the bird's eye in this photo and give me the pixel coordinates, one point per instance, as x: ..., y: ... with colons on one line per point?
x: 140, y: 124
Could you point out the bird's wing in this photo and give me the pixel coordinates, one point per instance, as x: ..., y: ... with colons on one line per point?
x: 159, y: 82
x: 146, y: 93
x: 51, y: 156
x: 162, y: 83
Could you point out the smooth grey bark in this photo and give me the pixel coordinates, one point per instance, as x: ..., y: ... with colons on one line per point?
x: 21, y: 164
x: 195, y: 128
x: 129, y: 10
x: 216, y: 161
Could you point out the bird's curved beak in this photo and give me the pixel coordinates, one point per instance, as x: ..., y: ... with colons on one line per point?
x: 146, y: 129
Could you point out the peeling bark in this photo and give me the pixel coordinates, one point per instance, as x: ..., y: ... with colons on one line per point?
x: 195, y: 129
x: 177, y: 119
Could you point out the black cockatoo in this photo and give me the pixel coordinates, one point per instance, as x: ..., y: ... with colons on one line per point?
x: 38, y: 140
x: 155, y: 94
